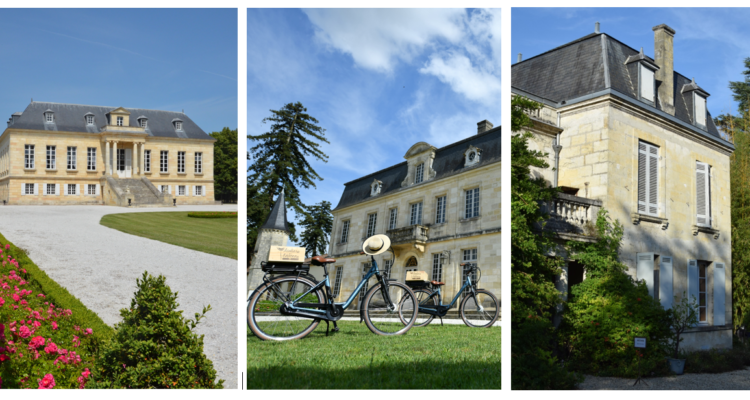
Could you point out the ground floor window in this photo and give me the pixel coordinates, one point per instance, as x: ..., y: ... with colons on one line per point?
x: 437, y: 267
x: 365, y: 268
x: 92, y: 189
x: 71, y: 188
x: 181, y: 190
x: 337, y: 281
x: 199, y: 190
x: 470, y: 256
x: 28, y: 188
x: 387, y: 266
x: 165, y: 188
x: 702, y: 300
x: 51, y: 188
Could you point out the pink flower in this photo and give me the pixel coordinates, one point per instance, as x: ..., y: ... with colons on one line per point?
x: 88, y: 331
x: 16, y: 298
x: 24, y: 332
x: 76, y: 341
x: 37, y: 341
x: 1, y: 301
x: 86, y: 373
x: 51, y: 348
x: 54, y: 325
x: 48, y: 382
x: 3, y: 357
x: 37, y: 324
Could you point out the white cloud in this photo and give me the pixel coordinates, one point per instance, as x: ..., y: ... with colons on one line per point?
x: 377, y: 38
x: 457, y: 71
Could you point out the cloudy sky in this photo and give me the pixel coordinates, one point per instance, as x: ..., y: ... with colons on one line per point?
x: 709, y: 45
x: 160, y: 59
x: 377, y: 80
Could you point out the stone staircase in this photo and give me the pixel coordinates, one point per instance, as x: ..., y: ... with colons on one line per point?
x: 140, y: 191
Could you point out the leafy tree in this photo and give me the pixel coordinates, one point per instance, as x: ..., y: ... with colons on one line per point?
x: 533, y: 272
x: 317, y: 225
x: 740, y: 201
x: 280, y: 161
x: 741, y: 94
x: 225, y: 163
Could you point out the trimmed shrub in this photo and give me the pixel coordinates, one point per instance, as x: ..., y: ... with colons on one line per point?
x: 212, y: 214
x: 154, y: 346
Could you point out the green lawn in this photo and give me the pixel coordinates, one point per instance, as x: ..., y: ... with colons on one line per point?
x: 210, y: 235
x: 433, y: 357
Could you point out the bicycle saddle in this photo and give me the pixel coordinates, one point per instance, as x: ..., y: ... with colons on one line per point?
x: 320, y: 260
x: 436, y: 283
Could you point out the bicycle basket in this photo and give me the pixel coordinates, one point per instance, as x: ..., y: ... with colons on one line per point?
x: 284, y: 268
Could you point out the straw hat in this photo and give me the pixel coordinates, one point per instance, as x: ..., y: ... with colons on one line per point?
x: 375, y: 245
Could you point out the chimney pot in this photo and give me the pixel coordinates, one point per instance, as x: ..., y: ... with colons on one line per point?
x: 664, y: 58
x: 520, y: 57
x: 596, y: 29
x: 483, y: 126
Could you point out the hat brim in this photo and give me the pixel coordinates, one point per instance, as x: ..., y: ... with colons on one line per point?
x: 386, y: 245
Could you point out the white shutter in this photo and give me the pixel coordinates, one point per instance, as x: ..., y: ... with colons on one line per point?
x: 703, y: 191
x: 169, y: 189
x: 203, y: 190
x: 36, y: 188
x: 187, y: 190
x: 645, y: 270
x: 666, y: 291
x: 719, y: 294
x: 648, y: 168
x: 693, y: 279
x: 44, y: 189
x: 97, y: 189
x: 77, y: 189
x: 65, y: 190
x: 57, y: 189
x: 647, y: 83
x: 23, y: 189
x: 700, y: 109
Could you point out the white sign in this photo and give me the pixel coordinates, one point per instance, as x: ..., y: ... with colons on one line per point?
x: 640, y: 343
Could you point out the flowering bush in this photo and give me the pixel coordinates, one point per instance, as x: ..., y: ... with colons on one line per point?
x: 40, y: 344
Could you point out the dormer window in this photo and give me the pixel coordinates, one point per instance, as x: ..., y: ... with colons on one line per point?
x: 143, y: 122
x: 700, y: 110
x: 375, y: 187
x: 647, y: 84
x: 472, y: 156
x: 419, y: 175
x: 49, y: 116
x: 89, y: 120
x: 120, y: 121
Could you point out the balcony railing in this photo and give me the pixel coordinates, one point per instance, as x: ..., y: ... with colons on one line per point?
x: 409, y: 234
x: 571, y: 214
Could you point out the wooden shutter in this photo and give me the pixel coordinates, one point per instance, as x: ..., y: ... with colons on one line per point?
x: 700, y: 110
x: 78, y: 191
x: 57, y: 189
x: 719, y: 294
x: 648, y: 168
x: 702, y: 189
x: 44, y: 189
x: 693, y: 278
x: 647, y: 83
x: 36, y: 188
x: 23, y: 189
x: 645, y: 270
x: 666, y: 293
x: 97, y: 189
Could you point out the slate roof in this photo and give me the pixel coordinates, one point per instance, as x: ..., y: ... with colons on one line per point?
x: 578, y: 68
x: 277, y: 219
x: 70, y: 118
x: 449, y: 160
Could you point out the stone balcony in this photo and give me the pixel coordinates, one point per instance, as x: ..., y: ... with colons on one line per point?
x: 571, y: 217
x: 414, y: 236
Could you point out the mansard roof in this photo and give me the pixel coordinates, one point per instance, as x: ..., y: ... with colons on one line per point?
x: 71, y: 118
x: 449, y: 160
x: 592, y: 64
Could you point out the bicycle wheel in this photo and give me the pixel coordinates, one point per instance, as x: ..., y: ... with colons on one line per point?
x: 480, y: 311
x: 264, y: 318
x: 423, y: 299
x: 390, y: 318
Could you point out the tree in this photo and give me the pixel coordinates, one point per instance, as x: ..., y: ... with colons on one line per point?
x: 225, y: 164
x: 280, y: 161
x: 317, y: 225
x: 741, y: 94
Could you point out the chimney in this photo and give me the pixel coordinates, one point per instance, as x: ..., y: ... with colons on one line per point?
x: 483, y: 126
x: 596, y: 27
x: 520, y: 57
x: 664, y: 58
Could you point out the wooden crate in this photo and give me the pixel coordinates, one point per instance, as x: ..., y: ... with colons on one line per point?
x: 286, y: 254
x: 416, y: 276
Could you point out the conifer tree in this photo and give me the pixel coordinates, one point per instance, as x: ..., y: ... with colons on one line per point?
x: 317, y: 225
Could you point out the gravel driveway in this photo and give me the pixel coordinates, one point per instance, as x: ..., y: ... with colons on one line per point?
x: 99, y: 265
x: 734, y: 380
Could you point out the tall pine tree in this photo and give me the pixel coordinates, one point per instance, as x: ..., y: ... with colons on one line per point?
x: 225, y: 165
x: 317, y: 225
x: 280, y: 159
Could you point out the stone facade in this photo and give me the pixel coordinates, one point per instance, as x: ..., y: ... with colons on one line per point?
x: 82, y: 178
x: 600, y: 135
x: 436, y: 244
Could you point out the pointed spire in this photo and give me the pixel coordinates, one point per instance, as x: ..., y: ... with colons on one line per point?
x: 641, y: 50
x: 277, y: 219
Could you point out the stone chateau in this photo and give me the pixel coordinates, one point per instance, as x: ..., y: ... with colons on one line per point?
x: 54, y: 153
x: 627, y: 132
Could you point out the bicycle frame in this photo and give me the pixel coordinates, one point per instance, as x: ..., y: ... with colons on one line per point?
x: 440, y: 309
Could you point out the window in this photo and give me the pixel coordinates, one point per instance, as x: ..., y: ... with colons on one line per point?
x: 440, y: 213
x: 144, y: 123
x: 648, y: 167
x: 147, y: 160
x: 470, y: 255
x: 703, y: 192
x: 198, y: 163
x: 393, y: 218
x: 702, y: 300
x: 121, y: 159
x: 416, y: 214
x: 472, y: 203
x: 49, y: 117
x: 181, y: 190
x: 71, y: 188
x: 178, y: 125
x: 90, y: 120
x: 91, y: 159
x: 199, y: 190
x: 647, y: 83
x: 387, y: 266
x: 51, y: 188
x: 337, y: 282
x: 163, y: 162
x: 345, y: 232
x: 437, y: 267
x: 365, y: 267
x: 71, y: 158
x: 164, y: 189
x: 419, y: 175
x: 51, y: 164
x: 700, y: 110
x: 91, y: 189
x: 181, y: 162
x: 28, y: 156
x: 372, y: 221
x: 120, y: 121
x: 28, y: 188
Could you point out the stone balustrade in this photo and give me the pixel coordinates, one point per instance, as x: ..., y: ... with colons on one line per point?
x: 571, y: 214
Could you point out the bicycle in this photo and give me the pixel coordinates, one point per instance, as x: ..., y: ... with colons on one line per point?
x: 292, y: 305
x: 479, y: 309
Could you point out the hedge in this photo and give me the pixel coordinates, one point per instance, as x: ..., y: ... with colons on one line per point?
x: 212, y: 214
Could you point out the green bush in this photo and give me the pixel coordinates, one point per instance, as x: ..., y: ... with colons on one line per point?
x: 154, y: 346
x: 226, y: 214
x: 534, y: 364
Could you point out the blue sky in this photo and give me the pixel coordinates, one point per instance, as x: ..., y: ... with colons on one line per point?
x: 170, y: 59
x: 378, y: 81
x: 710, y: 44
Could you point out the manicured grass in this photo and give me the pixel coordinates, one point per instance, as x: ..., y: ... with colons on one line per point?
x: 433, y: 357
x: 210, y: 235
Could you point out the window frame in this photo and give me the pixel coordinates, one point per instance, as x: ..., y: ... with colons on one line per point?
x: 337, y: 281
x: 704, y: 101
x: 418, y: 220
x: 72, y: 157
x: 178, y: 125
x: 90, y: 120
x: 437, y: 267
x: 180, y: 162
x: 47, y: 189
x: 393, y: 218
x: 120, y: 121
x: 49, y: 117
x: 198, y: 190
x: 88, y: 189
x: 419, y: 174
x: 91, y: 159
x: 641, y: 81
x: 345, y: 231
x: 372, y: 224
x: 181, y: 190
x: 198, y: 162
x: 51, y: 157
x: 26, y: 189
x: 164, y: 161
x: 28, y: 156
x: 702, y: 267
x: 440, y: 209
x: 645, y: 154
x: 147, y: 160
x: 471, y: 203
x: 70, y: 186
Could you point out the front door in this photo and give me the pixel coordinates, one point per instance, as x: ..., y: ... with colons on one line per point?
x: 124, y: 163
